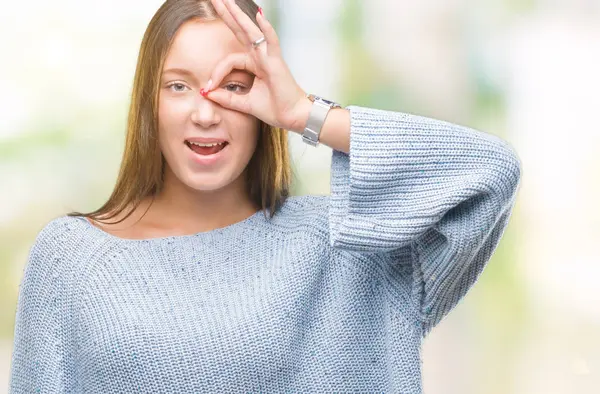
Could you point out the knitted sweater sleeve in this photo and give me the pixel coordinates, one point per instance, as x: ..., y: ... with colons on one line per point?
x: 41, y: 359
x: 443, y: 190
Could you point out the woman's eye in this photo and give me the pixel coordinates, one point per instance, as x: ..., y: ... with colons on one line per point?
x: 179, y: 87
x: 233, y: 86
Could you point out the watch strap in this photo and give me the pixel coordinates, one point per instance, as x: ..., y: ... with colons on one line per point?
x: 316, y: 119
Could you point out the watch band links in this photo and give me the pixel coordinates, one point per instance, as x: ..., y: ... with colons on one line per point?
x: 318, y: 113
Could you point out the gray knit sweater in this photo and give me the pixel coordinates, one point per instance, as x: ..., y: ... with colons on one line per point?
x: 334, y: 294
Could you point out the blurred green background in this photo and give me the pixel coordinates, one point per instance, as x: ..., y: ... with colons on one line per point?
x: 524, y: 70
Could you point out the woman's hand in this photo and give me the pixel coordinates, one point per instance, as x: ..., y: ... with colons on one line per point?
x: 275, y: 97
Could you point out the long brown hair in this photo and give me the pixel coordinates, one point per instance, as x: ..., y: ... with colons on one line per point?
x: 141, y: 174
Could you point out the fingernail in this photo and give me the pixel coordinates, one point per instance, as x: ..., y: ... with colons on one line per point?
x: 260, y: 11
x: 209, y: 84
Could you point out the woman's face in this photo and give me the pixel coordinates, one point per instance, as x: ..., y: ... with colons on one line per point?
x: 184, y: 115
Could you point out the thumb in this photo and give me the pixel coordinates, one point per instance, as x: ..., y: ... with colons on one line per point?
x: 230, y: 100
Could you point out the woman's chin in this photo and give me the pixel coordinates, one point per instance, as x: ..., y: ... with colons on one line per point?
x: 206, y: 182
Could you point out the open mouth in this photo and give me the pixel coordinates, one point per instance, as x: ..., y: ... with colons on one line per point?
x: 206, y: 149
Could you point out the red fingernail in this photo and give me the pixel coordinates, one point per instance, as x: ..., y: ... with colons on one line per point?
x: 260, y: 11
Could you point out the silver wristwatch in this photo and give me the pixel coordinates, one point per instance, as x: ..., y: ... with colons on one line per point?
x: 318, y: 113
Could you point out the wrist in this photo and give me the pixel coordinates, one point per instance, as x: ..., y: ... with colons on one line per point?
x: 302, y: 113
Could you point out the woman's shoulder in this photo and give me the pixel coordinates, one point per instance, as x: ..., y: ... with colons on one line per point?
x: 50, y: 256
x: 304, y: 213
x: 62, y: 232
x: 55, y: 231
x: 307, y: 204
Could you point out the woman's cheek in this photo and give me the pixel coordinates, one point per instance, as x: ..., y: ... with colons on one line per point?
x: 175, y: 107
x: 181, y: 108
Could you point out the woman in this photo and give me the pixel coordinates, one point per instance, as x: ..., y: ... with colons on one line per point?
x: 193, y: 289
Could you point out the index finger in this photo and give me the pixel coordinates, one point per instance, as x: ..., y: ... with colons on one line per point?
x: 239, y: 61
x: 251, y: 30
x: 223, y: 11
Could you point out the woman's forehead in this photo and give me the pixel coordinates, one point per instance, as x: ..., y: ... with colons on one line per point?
x: 200, y: 45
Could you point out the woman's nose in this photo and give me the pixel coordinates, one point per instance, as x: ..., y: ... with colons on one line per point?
x: 205, y: 112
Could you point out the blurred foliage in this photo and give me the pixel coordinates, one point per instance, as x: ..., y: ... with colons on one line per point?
x: 364, y: 83
x: 499, y: 302
x: 498, y: 323
x: 7, y: 293
x: 16, y: 147
x: 519, y: 6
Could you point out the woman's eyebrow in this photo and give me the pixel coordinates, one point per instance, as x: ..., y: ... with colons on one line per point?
x: 181, y: 71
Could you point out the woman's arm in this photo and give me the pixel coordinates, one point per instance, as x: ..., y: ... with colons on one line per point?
x: 443, y: 190
x: 335, y: 132
x: 41, y: 358
x: 397, y: 180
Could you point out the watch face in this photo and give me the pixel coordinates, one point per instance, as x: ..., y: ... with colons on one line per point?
x: 330, y: 103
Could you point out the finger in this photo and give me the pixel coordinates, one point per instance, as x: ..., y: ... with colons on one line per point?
x: 239, y: 61
x: 231, y: 100
x: 226, y: 16
x: 270, y: 35
x: 250, y: 29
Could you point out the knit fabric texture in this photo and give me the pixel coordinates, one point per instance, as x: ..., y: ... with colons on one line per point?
x: 335, y: 293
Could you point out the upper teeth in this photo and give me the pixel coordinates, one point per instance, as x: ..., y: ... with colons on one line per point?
x: 211, y: 144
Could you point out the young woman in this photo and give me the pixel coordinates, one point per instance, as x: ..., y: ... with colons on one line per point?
x: 210, y: 278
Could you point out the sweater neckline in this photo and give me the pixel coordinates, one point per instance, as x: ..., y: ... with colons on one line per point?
x: 250, y: 221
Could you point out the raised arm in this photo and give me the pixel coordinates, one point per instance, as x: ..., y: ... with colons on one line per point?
x: 444, y: 190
